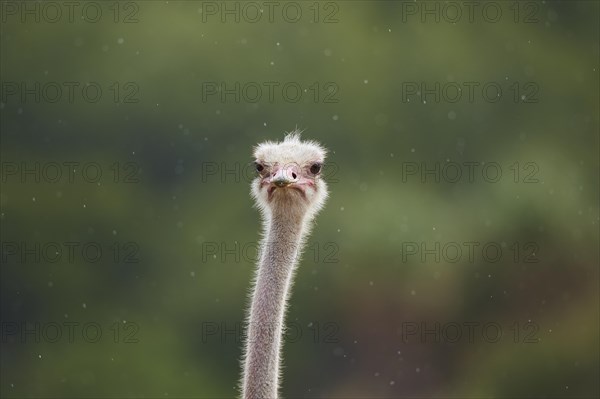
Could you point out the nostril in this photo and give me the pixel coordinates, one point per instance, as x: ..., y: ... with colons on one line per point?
x: 293, y: 175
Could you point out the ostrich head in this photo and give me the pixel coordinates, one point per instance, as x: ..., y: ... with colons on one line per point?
x: 289, y: 177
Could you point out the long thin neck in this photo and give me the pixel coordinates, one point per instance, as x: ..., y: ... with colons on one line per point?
x: 278, y: 259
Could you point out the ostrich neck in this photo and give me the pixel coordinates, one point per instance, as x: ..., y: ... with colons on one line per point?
x: 280, y: 250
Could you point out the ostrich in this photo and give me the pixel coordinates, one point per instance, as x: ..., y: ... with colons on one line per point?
x: 289, y: 193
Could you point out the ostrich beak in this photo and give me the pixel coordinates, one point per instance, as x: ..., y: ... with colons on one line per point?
x: 284, y: 177
x: 282, y: 182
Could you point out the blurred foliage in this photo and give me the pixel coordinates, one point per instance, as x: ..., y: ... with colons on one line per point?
x: 357, y: 287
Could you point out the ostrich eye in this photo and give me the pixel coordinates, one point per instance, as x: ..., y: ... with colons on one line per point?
x: 259, y: 167
x: 315, y: 168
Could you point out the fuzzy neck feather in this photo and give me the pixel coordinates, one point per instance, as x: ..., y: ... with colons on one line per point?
x: 280, y: 251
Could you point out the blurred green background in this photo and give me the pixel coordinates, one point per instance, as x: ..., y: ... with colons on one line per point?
x: 173, y: 195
